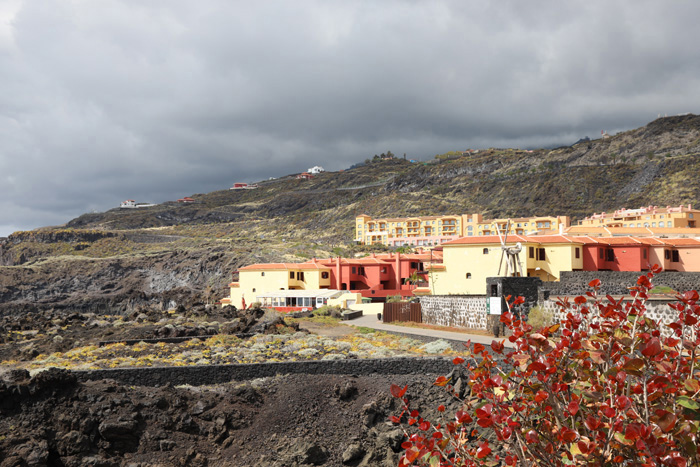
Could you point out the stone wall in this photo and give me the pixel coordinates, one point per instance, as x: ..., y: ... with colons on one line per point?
x: 657, y: 309
x: 455, y: 310
x: 575, y: 283
x: 216, y: 374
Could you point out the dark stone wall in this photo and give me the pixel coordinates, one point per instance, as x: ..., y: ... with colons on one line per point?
x: 574, y: 283
x: 216, y: 374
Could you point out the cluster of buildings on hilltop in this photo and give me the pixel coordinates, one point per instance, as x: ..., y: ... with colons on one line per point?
x: 429, y: 231
x: 459, y: 263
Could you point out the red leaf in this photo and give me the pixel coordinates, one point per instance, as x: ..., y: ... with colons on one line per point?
x: 397, y: 392
x: 567, y: 435
x: 497, y: 346
x: 412, y: 454
x: 478, y: 348
x: 634, y: 364
x: 622, y: 402
x: 651, y: 348
x: 441, y: 381
x: 483, y: 451
x: 463, y: 417
x: 485, y: 411
x: 531, y: 436
x: 573, y: 407
x: 667, y: 421
x: 458, y: 360
x: 541, y: 396
x: 594, y: 283
x: 395, y: 419
x: 484, y: 422
x: 691, y: 296
x: 441, y: 408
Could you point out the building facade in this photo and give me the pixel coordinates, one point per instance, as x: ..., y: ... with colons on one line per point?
x: 435, y: 230
x: 375, y: 277
x: 683, y: 216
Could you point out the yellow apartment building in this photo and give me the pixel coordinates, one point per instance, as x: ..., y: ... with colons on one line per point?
x: 683, y: 217
x: 467, y: 262
x: 436, y: 230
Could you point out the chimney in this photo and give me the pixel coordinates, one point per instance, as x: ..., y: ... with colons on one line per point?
x: 338, y: 274
x: 398, y: 270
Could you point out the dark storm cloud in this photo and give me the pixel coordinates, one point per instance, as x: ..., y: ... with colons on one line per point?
x: 104, y: 101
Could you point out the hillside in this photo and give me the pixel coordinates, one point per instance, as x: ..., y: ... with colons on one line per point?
x: 124, y: 257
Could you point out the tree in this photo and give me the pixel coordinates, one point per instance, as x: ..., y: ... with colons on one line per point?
x: 608, y: 385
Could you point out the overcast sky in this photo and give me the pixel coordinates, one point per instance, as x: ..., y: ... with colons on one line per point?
x: 153, y: 100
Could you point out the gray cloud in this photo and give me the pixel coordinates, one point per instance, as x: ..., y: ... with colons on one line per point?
x: 157, y: 100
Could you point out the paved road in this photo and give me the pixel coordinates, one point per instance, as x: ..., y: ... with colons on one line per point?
x: 370, y: 321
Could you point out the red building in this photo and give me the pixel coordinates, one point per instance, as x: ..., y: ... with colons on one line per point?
x: 381, y: 276
x: 615, y: 254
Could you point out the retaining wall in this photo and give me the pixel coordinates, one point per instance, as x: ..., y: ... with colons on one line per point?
x: 455, y: 310
x: 216, y: 374
x: 573, y: 283
x: 656, y: 309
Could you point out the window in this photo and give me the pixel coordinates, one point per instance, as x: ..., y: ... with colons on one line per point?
x: 644, y: 254
x: 300, y: 276
x: 577, y: 252
x: 661, y: 224
x: 531, y: 252
x: 291, y: 274
x: 383, y: 270
x: 354, y: 270
x: 674, y: 256
x: 262, y: 274
x: 540, y: 254
x: 601, y: 253
x: 667, y: 254
x: 469, y: 275
x: 690, y: 215
x: 486, y: 251
x: 609, y: 254
x: 325, y: 275
x: 361, y: 270
x: 253, y: 289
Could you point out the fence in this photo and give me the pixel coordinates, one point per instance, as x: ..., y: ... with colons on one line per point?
x: 402, y: 311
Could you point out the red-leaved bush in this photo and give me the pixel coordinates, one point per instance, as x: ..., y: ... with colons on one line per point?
x: 607, y: 385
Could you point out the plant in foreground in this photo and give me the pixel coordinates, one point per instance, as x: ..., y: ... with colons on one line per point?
x: 607, y: 385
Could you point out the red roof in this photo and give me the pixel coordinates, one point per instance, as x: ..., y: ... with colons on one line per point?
x: 272, y: 266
